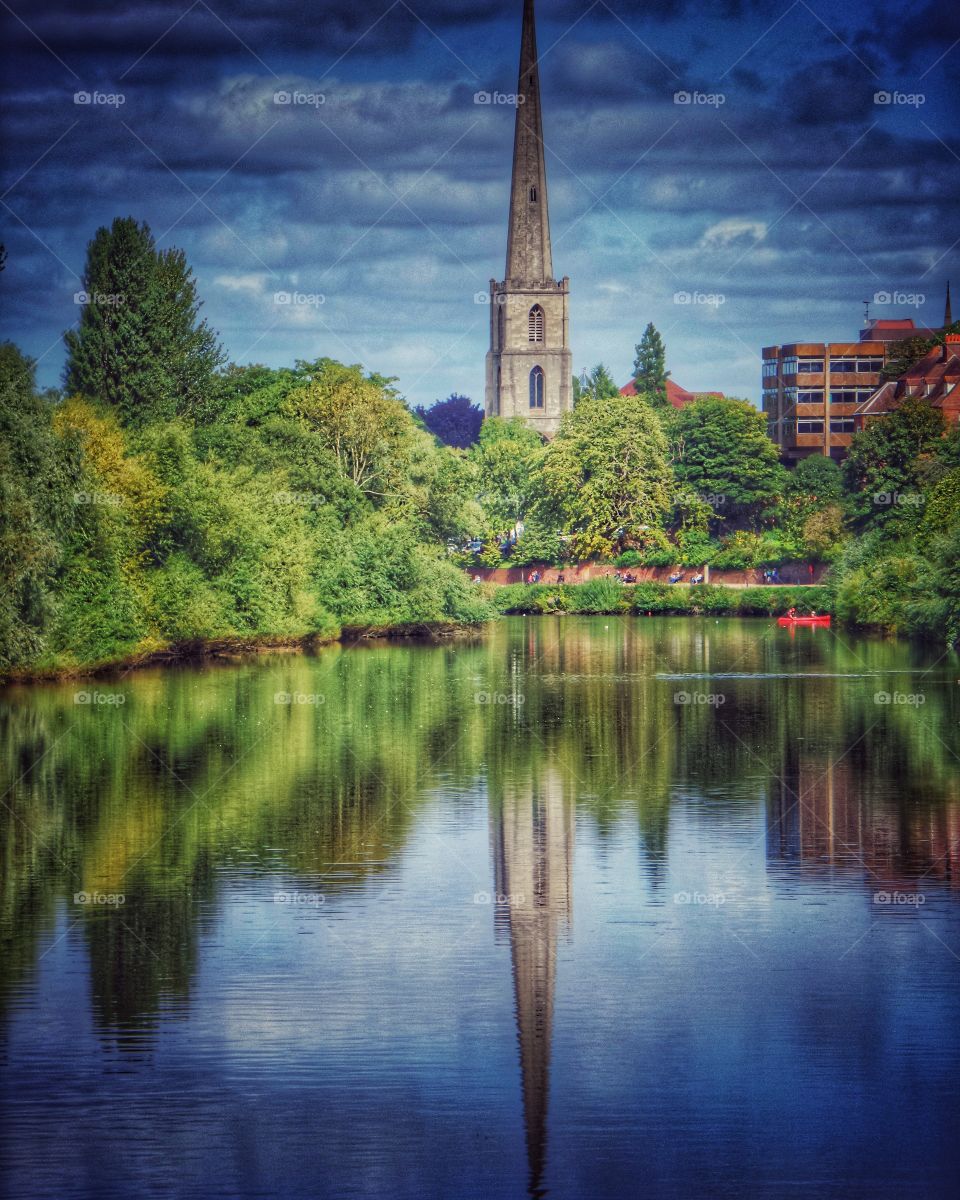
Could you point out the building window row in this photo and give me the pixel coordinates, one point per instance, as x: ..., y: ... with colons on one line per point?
x: 797, y: 365
x: 850, y: 395
x: 770, y: 367
x: 842, y: 425
x: 850, y: 366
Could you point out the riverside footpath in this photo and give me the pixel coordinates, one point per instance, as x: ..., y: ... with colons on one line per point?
x: 793, y: 574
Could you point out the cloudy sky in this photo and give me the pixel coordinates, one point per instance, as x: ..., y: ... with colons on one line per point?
x: 815, y: 164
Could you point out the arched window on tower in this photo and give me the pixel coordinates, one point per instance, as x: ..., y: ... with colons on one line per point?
x: 533, y: 195
x: 536, y: 387
x: 535, y: 324
x: 500, y: 325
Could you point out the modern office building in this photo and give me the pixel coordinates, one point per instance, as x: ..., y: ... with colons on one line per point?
x: 811, y: 390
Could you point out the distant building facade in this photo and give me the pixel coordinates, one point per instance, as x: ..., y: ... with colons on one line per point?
x: 817, y: 395
x: 529, y: 367
x: 812, y: 390
x: 936, y: 377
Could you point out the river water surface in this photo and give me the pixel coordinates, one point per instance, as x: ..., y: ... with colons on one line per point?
x: 581, y: 908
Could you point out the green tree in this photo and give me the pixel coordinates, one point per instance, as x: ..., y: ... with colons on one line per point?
x: 721, y: 452
x: 817, y: 479
x: 605, y: 475
x: 38, y: 477
x: 884, y: 467
x: 361, y: 422
x: 140, y: 345
x: 597, y: 384
x: 650, y: 372
x: 507, y: 459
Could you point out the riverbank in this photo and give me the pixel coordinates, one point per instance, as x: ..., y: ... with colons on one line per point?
x: 601, y: 596
x: 232, y: 648
x: 606, y: 596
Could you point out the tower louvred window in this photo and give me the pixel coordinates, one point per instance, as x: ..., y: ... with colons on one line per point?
x: 535, y: 324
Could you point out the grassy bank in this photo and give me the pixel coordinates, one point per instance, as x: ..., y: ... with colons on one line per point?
x: 608, y: 596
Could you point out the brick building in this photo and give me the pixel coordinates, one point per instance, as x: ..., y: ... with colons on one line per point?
x: 812, y: 390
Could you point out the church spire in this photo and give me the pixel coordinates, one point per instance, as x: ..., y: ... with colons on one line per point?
x: 529, y: 259
x: 947, y: 314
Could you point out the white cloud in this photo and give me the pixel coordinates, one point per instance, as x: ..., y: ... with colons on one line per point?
x: 732, y: 231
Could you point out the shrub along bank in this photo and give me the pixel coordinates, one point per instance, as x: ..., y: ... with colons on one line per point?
x: 606, y: 596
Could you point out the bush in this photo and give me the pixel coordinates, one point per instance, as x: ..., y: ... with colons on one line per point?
x: 604, y: 595
x: 665, y: 557
x: 631, y: 558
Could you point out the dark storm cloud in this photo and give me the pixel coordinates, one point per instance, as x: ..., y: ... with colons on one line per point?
x: 390, y: 196
x: 829, y: 91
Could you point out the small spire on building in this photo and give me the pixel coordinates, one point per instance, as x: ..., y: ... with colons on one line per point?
x: 947, y: 314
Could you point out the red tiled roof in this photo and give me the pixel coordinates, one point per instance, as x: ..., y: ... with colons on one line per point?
x: 679, y: 397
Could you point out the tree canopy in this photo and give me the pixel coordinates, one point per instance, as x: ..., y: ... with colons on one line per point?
x: 606, y: 477
x: 140, y: 345
x: 650, y: 372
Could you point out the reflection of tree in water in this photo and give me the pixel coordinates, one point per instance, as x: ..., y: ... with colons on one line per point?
x: 200, y: 769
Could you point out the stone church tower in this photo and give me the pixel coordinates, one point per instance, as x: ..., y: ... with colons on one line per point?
x: 529, y: 364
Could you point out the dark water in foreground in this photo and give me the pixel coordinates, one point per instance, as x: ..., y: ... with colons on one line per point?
x: 588, y: 908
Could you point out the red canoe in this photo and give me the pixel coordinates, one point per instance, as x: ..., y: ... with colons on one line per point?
x: 825, y: 620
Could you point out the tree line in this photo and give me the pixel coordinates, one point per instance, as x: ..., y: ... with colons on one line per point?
x: 167, y: 496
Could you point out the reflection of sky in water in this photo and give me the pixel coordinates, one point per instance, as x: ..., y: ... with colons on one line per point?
x: 727, y: 1010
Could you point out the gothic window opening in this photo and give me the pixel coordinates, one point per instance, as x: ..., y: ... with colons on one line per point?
x: 533, y: 195
x: 535, y: 324
x: 536, y: 387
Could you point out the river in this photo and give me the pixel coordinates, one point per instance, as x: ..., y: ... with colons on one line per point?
x: 577, y: 907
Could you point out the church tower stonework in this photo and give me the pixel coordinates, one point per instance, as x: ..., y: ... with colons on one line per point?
x: 529, y: 365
